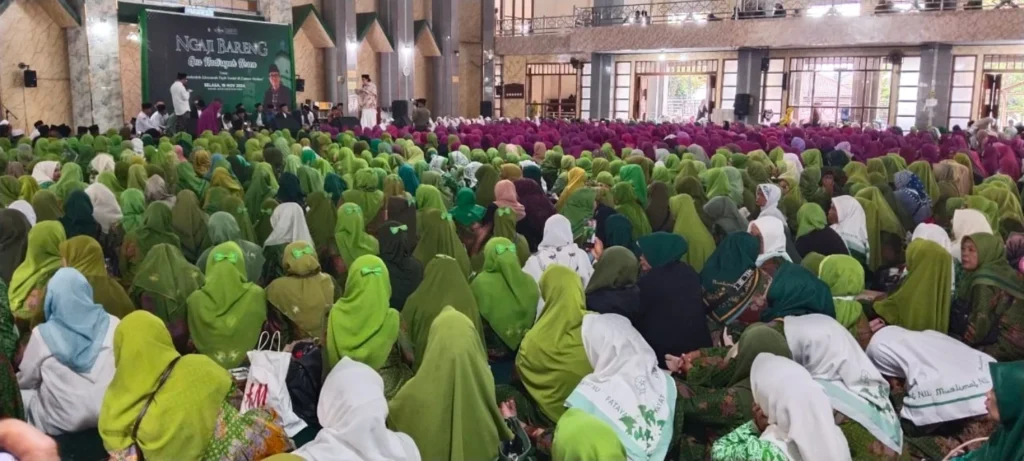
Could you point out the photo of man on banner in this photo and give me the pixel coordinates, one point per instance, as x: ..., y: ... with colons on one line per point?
x: 276, y: 95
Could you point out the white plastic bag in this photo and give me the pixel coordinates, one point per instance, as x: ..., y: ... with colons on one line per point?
x: 266, y: 386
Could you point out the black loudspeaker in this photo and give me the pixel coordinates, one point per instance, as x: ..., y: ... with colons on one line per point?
x: 349, y: 122
x: 30, y: 79
x: 486, y: 108
x: 741, y: 107
x: 300, y: 85
x: 400, y: 112
x: 764, y: 64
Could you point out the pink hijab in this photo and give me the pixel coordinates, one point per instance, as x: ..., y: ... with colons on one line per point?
x: 209, y: 119
x: 505, y: 196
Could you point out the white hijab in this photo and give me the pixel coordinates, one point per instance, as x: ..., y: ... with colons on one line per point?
x: 772, y: 195
x: 26, y: 209
x: 933, y: 233
x: 289, y: 223
x: 773, y: 236
x: 793, y: 164
x: 852, y: 383
x: 967, y: 222
x: 102, y: 163
x: 105, y: 209
x: 932, y: 362
x: 800, y: 421
x: 626, y: 376
x: 43, y: 171
x: 660, y: 154
x: 469, y: 173
x: 437, y: 163
x: 557, y: 247
x: 138, y: 146
x: 852, y: 224
x: 352, y: 410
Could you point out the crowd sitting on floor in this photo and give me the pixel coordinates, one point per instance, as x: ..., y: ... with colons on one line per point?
x: 515, y: 290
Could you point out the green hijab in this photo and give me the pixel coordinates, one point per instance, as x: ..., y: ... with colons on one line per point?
x: 662, y: 248
x: 187, y: 179
x: 448, y: 407
x: 225, y: 317
x: 618, y: 267
x: 507, y: 296
x: 923, y: 170
x: 844, y: 276
x: 365, y: 194
x: 133, y: 206
x: 438, y: 237
x: 811, y: 158
x: 922, y: 301
x: 993, y: 268
x: 796, y: 291
x: 579, y: 210
x: 442, y: 286
x: 756, y: 339
x: 71, y: 179
x: 552, y: 360
x: 887, y: 219
x: 466, y: 211
x: 321, y: 219
x: 156, y: 228
x: 634, y: 176
x: 10, y: 190
x: 429, y: 198
x: 42, y: 259
x: 812, y: 262
x: 350, y: 235
x: 579, y: 436
x: 688, y: 225
x: 628, y: 206
x: 486, y: 178
x: 137, y: 177
x: 84, y: 254
x: 190, y: 399
x: 720, y: 185
x: 261, y: 187
x: 810, y: 218
x: 165, y: 272
x: 189, y: 223
x: 362, y: 325
x: 1005, y: 442
x: 304, y: 294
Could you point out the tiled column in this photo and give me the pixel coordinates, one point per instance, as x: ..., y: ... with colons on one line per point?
x: 935, y: 83
x: 396, y: 69
x: 93, y: 56
x: 445, y: 24
x: 340, y: 62
x: 601, y: 84
x: 277, y: 11
x: 748, y: 80
x: 487, y: 40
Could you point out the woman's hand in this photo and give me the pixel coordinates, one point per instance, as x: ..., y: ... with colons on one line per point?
x: 760, y: 419
x: 26, y: 443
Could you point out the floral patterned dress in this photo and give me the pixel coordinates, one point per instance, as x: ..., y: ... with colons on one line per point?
x: 996, y: 323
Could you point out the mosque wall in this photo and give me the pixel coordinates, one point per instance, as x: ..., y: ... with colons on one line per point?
x: 513, y: 71
x: 423, y: 76
x: 368, y: 62
x: 365, y: 6
x: 29, y: 35
x: 309, y: 65
x: 421, y: 9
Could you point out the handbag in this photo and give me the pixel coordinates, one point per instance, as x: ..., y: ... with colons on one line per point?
x: 266, y: 386
x: 138, y: 419
x: 304, y: 380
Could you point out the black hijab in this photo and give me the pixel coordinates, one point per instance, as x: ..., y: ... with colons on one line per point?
x: 14, y: 227
x: 405, y: 271
x: 289, y: 190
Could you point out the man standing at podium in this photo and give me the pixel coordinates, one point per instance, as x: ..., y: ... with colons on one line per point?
x: 367, y: 103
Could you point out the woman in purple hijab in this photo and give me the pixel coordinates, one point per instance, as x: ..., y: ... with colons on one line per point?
x: 798, y: 144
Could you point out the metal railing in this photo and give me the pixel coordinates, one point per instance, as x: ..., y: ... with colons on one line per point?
x: 698, y: 11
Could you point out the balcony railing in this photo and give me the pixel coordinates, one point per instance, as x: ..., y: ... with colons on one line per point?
x: 699, y: 11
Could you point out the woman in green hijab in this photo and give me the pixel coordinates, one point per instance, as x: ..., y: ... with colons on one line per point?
x: 222, y: 227
x: 580, y: 436
x: 28, y: 282
x: 189, y: 223
x: 687, y: 224
x: 507, y: 297
x: 993, y: 291
x: 1004, y: 406
x: 29, y: 188
x: 137, y: 177
x: 133, y: 206
x: 844, y: 276
x: 720, y: 185
x: 10, y: 189
x: 433, y: 178
x: 922, y: 302
x: 84, y: 254
x: 627, y: 204
x: 891, y: 232
x: 188, y: 179
x: 634, y: 176
x: 350, y: 235
x: 321, y: 218
x: 579, y: 210
x: 162, y: 286
x: 449, y: 407
x: 156, y: 229
x: 552, y: 360
x: 262, y: 186
x: 366, y: 194
x: 70, y: 180
x: 486, y: 177
x: 225, y: 317
x: 363, y: 326
x: 466, y: 211
x: 438, y: 237
x: 441, y: 286
x: 302, y: 297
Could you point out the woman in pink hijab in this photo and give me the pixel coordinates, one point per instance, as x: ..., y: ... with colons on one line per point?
x: 210, y: 118
x: 1009, y: 164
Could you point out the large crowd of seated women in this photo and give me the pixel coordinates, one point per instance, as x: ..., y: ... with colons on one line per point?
x: 585, y: 291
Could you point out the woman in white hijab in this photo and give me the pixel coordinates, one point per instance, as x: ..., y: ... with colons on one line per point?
x: 105, y: 208
x: 768, y: 197
x: 938, y: 235
x: 929, y: 361
x: 794, y: 167
x: 852, y: 383
x: 289, y: 224
x: 26, y: 209
x: 353, y: 411
x: 849, y: 221
x: 966, y: 222
x: 557, y: 247
x: 792, y: 418
x: 626, y: 377
x: 772, y: 234
x: 43, y: 171
x: 101, y: 163
x: 469, y: 173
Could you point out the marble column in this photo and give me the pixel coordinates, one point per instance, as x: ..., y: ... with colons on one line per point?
x: 935, y: 84
x: 93, y: 56
x: 277, y: 11
x: 396, y: 68
x: 749, y: 77
x: 340, y: 62
x: 487, y: 41
x: 601, y: 85
x: 445, y: 24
